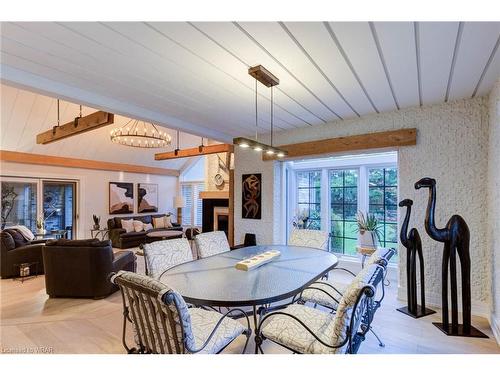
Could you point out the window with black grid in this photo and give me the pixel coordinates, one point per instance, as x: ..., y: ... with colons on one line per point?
x: 383, y: 201
x: 343, y: 208
x: 309, y: 197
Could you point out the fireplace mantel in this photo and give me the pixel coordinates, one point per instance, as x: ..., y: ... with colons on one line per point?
x: 214, y: 194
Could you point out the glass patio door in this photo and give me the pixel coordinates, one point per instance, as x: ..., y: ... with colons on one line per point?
x: 59, y: 209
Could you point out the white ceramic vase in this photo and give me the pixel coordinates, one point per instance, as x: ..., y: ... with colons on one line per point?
x: 367, y: 239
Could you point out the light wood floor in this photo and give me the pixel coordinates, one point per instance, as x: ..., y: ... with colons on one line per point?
x: 31, y: 322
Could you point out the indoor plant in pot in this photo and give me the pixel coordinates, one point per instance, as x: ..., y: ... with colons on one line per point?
x: 97, y: 221
x: 368, y: 230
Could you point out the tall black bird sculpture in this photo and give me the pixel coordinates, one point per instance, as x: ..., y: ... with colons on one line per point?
x: 456, y: 237
x: 411, y: 240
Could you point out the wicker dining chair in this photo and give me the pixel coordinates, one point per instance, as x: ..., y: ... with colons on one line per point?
x: 306, y: 330
x: 162, y: 322
x: 159, y: 256
x: 309, y: 238
x: 211, y: 243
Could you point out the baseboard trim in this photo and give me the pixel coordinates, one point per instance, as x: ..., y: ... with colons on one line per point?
x: 479, y: 308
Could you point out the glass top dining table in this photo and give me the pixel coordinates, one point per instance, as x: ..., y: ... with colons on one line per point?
x: 214, y: 281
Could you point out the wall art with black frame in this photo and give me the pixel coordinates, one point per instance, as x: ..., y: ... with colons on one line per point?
x: 121, y: 198
x: 251, y: 207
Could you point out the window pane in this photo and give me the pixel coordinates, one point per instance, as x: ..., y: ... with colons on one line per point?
x: 58, y: 206
x: 351, y: 195
x: 391, y: 232
x: 344, y: 205
x: 337, y: 212
x: 391, y: 196
x: 391, y: 177
x: 336, y: 179
x: 376, y: 177
x: 337, y: 195
x: 309, y: 198
x: 351, y: 229
x: 19, y: 204
x: 376, y: 195
x: 378, y: 210
x: 351, y: 178
x: 391, y: 214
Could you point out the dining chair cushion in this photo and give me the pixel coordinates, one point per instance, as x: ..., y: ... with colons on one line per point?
x: 320, y: 297
x: 309, y: 238
x: 202, y: 324
x: 378, y: 256
x: 330, y: 328
x: 162, y: 255
x: 211, y: 243
x: 290, y: 333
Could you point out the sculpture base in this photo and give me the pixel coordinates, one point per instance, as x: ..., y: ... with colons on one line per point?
x: 420, y: 312
x: 474, y: 332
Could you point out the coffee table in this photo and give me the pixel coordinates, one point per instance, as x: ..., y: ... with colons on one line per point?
x: 165, y: 234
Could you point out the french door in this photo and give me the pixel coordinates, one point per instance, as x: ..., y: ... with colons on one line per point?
x: 59, y: 206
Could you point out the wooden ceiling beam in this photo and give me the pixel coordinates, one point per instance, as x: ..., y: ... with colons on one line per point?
x: 28, y: 158
x: 195, y: 151
x: 80, y: 125
x: 393, y: 138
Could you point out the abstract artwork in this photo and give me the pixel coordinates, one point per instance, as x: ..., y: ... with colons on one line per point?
x: 251, y: 196
x: 121, y: 198
x: 147, y: 198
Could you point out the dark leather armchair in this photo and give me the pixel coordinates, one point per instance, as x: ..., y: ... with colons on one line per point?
x: 15, y: 249
x: 82, y: 268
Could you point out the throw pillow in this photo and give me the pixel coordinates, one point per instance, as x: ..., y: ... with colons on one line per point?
x: 148, y: 226
x: 168, y: 221
x: 138, y: 226
x: 128, y: 225
x: 158, y: 222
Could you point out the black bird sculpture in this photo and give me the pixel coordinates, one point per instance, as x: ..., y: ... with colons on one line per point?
x: 456, y: 237
x: 411, y: 240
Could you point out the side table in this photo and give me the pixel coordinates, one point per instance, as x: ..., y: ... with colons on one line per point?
x: 20, y: 269
x: 96, y: 233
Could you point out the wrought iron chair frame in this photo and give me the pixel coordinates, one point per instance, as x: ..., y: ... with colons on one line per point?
x: 363, y: 313
x: 144, y: 347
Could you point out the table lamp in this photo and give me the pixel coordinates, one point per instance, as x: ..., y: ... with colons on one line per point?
x: 179, y: 204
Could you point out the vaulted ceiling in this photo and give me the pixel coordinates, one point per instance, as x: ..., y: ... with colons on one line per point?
x: 193, y: 76
x: 24, y: 114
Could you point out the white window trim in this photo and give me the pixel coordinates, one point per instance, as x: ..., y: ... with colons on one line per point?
x: 362, y: 163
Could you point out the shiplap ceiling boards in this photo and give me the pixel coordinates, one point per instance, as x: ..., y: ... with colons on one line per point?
x: 193, y: 76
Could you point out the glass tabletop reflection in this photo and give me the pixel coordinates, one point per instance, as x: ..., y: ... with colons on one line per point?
x: 215, y: 280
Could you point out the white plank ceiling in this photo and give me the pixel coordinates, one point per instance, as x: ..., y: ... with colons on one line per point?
x: 193, y: 76
x: 24, y: 114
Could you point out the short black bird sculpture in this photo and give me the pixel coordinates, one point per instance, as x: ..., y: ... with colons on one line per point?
x: 411, y: 240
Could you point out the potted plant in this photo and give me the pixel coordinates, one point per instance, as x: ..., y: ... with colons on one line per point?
x: 97, y: 221
x: 369, y: 230
x: 40, y: 225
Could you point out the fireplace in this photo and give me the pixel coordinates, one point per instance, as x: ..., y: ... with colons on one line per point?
x: 215, y: 215
x: 221, y: 219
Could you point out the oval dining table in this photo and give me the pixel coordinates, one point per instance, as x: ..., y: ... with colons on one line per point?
x: 215, y: 281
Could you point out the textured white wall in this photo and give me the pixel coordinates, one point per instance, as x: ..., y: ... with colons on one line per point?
x: 452, y: 144
x: 494, y: 204
x: 94, y: 189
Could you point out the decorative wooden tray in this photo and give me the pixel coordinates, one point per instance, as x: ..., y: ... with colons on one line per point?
x: 257, y: 260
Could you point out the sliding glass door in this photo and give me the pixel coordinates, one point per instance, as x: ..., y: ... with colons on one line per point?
x: 19, y: 203
x: 24, y: 200
x: 59, y: 206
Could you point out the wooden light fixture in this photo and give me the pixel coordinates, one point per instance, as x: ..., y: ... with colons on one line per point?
x: 265, y: 77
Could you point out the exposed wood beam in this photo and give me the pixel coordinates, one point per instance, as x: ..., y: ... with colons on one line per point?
x: 80, y: 125
x: 27, y: 158
x: 231, y: 208
x: 393, y: 138
x: 195, y: 151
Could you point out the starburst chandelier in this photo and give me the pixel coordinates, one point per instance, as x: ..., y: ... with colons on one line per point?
x: 140, y: 134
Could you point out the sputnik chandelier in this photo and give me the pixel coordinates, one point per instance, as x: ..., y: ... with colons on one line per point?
x: 265, y: 77
x: 140, y: 134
